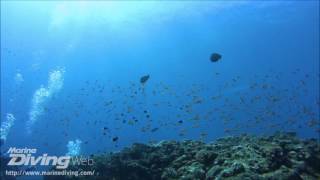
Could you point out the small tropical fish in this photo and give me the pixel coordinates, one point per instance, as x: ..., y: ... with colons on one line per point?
x: 154, y: 129
x: 115, y: 139
x: 144, y: 79
x: 215, y: 57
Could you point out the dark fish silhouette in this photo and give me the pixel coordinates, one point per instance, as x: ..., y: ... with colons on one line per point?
x: 215, y: 57
x: 115, y: 139
x: 144, y: 79
x: 154, y: 129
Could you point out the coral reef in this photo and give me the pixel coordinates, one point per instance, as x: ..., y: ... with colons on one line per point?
x: 280, y: 156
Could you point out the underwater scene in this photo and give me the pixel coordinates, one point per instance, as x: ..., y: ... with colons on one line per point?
x: 160, y: 90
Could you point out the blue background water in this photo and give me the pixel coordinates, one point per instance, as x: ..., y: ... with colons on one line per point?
x: 111, y: 45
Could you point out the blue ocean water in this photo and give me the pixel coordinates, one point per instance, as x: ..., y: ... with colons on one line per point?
x: 70, y: 72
